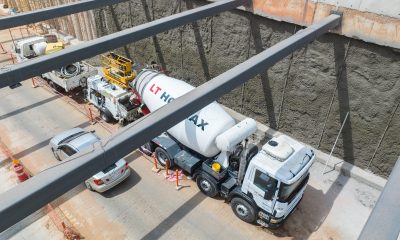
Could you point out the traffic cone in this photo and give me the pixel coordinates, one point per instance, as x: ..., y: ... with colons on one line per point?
x: 19, y: 170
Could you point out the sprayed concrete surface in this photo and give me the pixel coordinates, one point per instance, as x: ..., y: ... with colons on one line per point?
x: 306, y: 95
x: 146, y: 206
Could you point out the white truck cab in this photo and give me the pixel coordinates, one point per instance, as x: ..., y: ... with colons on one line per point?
x: 276, y: 178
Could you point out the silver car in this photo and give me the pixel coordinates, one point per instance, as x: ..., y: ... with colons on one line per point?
x: 74, y: 140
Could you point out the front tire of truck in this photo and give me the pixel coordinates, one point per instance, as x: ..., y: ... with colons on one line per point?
x: 105, y: 115
x: 207, y: 185
x: 243, y: 210
x: 162, y: 156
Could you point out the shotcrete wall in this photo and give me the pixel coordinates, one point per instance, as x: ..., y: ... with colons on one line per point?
x: 306, y: 95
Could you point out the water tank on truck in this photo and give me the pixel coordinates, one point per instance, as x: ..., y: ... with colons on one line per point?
x: 197, y: 132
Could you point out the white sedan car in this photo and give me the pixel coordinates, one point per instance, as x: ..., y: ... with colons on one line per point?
x: 74, y: 140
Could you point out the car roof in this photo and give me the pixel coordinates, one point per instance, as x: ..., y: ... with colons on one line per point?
x: 83, y: 141
x: 56, y: 140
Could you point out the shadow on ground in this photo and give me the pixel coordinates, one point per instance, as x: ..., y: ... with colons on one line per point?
x: 175, y: 217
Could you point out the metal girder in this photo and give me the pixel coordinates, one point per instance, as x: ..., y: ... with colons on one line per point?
x: 37, y: 66
x: 384, y: 221
x: 53, y: 12
x: 31, y: 195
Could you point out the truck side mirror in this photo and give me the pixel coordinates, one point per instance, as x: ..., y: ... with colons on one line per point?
x: 268, y: 195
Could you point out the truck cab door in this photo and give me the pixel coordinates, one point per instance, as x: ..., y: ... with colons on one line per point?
x: 262, y: 187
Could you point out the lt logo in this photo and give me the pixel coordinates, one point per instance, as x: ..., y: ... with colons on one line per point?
x: 167, y: 98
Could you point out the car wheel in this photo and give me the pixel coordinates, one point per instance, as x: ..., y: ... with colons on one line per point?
x: 243, y: 210
x: 162, y: 156
x: 88, y: 186
x: 146, y: 149
x: 207, y: 185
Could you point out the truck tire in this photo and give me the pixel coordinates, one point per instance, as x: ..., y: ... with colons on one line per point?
x: 207, y: 184
x: 106, y: 115
x: 162, y: 156
x: 243, y: 210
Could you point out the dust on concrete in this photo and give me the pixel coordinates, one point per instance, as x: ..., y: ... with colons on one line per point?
x: 293, y: 96
x: 365, y: 198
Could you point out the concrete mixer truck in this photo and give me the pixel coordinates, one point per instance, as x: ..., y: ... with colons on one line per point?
x: 262, y: 186
x: 66, y: 78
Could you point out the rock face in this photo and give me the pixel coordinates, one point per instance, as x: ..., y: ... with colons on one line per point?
x: 306, y: 95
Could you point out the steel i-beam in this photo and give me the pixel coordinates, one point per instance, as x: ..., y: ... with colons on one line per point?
x: 384, y: 221
x: 53, y: 12
x: 37, y: 66
x: 31, y: 195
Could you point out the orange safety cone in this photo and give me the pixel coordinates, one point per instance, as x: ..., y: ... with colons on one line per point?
x: 177, y: 186
x: 166, y: 169
x: 19, y: 170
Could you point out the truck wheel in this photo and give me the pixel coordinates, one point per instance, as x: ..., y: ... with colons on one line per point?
x: 146, y: 149
x: 162, y: 156
x: 105, y: 115
x: 243, y: 210
x: 207, y: 185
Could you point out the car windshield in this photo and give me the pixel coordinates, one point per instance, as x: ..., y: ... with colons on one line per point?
x: 109, y: 168
x: 287, y: 192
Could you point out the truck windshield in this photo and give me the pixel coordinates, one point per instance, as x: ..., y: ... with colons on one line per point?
x: 264, y: 182
x: 288, y: 192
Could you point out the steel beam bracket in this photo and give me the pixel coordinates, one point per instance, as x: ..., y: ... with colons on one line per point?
x: 340, y: 13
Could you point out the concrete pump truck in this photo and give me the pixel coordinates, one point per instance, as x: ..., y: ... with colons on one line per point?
x: 262, y: 186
